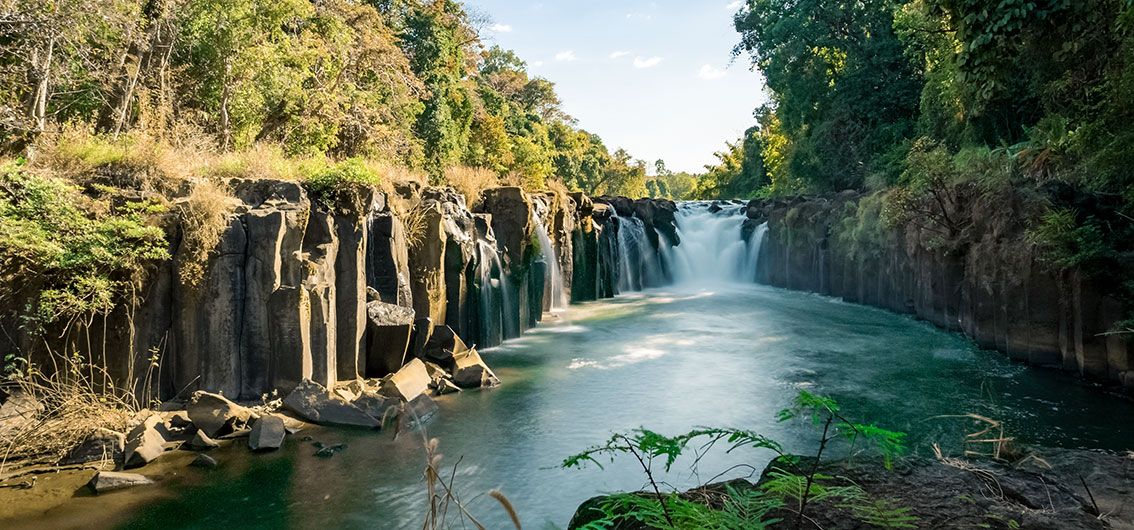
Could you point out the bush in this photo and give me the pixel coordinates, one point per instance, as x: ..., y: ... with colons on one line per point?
x: 335, y: 185
x: 83, y: 254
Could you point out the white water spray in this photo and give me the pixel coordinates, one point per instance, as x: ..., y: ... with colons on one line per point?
x: 713, y: 248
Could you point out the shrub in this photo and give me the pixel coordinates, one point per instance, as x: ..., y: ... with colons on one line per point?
x: 83, y: 254
x: 336, y: 184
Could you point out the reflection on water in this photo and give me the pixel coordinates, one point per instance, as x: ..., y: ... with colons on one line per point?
x: 669, y: 360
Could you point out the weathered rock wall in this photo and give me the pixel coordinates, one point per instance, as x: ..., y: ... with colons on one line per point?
x: 993, y: 286
x: 301, y: 289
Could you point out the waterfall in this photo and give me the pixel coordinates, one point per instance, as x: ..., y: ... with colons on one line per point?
x: 713, y: 248
x: 557, y: 291
x: 494, y: 301
x: 638, y: 261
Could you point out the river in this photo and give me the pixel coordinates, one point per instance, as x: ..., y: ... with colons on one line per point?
x: 669, y: 360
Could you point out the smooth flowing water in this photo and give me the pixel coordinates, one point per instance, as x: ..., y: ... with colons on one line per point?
x: 669, y: 360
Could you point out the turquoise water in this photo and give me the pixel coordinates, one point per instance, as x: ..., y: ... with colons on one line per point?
x: 668, y: 360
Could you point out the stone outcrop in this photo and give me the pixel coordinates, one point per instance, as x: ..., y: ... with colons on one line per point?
x: 989, y: 283
x: 295, y: 287
x: 106, y: 481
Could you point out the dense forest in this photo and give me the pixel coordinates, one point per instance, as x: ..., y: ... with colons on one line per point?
x: 928, y: 103
x: 408, y: 83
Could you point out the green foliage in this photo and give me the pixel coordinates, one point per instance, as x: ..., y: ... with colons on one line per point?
x: 334, y: 183
x: 787, y: 485
x: 1067, y: 243
x: 66, y: 255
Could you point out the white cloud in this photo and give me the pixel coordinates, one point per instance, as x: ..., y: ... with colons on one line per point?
x: 619, y: 54
x: 500, y: 28
x: 640, y: 62
x: 639, y: 16
x: 566, y: 56
x: 733, y: 6
x: 537, y: 64
x: 711, y: 73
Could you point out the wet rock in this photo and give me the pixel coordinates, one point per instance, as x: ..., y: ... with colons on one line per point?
x: 313, y: 403
x: 442, y: 345
x: 216, y: 415
x: 470, y: 371
x: 106, y: 481
x: 418, y: 412
x: 444, y: 387
x: 235, y: 435
x: 408, y: 383
x: 101, y: 445
x: 202, y: 442
x: 378, y: 406
x: 144, y: 443
x: 388, y: 331
x: 204, y: 461
x: 267, y: 434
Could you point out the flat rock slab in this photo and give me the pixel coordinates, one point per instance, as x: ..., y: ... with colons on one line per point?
x: 313, y: 403
x: 106, y: 481
x: 216, y: 415
x: 204, y: 462
x: 267, y: 434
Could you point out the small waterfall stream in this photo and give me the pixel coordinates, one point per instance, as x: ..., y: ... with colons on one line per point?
x: 547, y: 250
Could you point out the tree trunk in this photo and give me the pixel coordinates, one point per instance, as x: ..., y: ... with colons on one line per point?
x: 38, y: 107
x: 226, y: 94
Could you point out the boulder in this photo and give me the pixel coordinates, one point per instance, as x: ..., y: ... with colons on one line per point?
x: 101, y: 445
x: 105, y: 481
x: 267, y: 434
x: 408, y: 383
x: 388, y: 331
x: 216, y: 415
x: 144, y: 443
x: 442, y: 345
x: 470, y: 371
x: 202, y: 442
x: 313, y: 403
x: 442, y: 387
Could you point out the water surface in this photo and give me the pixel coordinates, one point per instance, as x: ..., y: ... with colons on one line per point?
x: 668, y: 360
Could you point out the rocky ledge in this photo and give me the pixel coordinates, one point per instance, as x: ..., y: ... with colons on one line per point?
x: 1050, y: 489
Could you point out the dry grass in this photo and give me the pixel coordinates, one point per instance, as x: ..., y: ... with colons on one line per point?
x: 75, y: 402
x: 413, y: 223
x: 470, y: 182
x: 204, y: 218
x: 446, y: 510
x: 136, y: 160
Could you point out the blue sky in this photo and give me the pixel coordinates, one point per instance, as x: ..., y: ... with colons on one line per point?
x: 652, y: 77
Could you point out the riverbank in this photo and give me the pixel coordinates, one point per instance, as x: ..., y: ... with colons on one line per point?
x: 1048, y: 489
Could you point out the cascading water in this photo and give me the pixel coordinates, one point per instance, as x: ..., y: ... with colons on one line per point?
x: 638, y: 261
x: 713, y: 247
x: 557, y: 291
x: 495, y: 303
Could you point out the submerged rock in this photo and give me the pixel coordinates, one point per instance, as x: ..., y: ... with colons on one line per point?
x: 267, y: 434
x: 204, y: 461
x: 216, y: 415
x: 312, y: 402
x: 105, y: 481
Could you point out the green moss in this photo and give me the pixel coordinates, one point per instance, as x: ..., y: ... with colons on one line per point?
x: 336, y: 185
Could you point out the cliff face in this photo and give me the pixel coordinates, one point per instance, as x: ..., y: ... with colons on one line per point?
x: 286, y: 292
x: 993, y: 287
